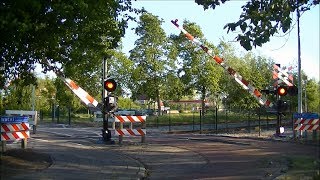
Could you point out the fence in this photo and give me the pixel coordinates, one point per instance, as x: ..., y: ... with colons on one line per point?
x: 217, y: 120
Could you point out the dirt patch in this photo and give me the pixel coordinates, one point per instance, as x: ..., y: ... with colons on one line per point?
x: 15, y: 161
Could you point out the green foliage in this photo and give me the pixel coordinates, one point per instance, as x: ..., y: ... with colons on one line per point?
x: 197, y: 71
x: 66, y: 35
x: 255, y: 69
x: 120, y: 68
x: 262, y: 19
x: 313, y: 94
x: 150, y: 58
x: 126, y: 103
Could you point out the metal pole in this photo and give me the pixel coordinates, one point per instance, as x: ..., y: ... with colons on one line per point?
x: 200, y: 121
x: 216, y: 119
x: 305, y: 97
x: 192, y: 120
x: 169, y: 122
x: 260, y: 121
x: 106, y: 134
x: 299, y: 62
x: 69, y: 115
x: 33, y: 97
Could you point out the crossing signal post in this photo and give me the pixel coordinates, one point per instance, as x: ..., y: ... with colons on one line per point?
x: 110, y: 106
x: 281, y: 105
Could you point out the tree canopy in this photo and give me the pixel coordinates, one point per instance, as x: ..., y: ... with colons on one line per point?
x: 262, y: 19
x: 72, y: 36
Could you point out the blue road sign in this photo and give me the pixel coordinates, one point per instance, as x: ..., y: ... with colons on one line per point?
x: 306, y: 115
x: 14, y: 119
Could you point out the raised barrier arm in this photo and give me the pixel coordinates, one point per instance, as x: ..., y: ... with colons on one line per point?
x: 237, y: 77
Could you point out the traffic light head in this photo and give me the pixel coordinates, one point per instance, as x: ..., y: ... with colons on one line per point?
x: 110, y: 85
x: 292, y: 90
x: 282, y: 90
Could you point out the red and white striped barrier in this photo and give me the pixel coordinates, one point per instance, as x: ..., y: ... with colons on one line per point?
x: 133, y: 119
x: 129, y: 120
x: 13, y: 136
x: 15, y: 127
x: 238, y: 78
x: 82, y: 94
x: 306, y: 124
x: 130, y: 132
x: 13, y: 132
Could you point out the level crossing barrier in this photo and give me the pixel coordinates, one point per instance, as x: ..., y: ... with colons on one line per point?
x: 136, y: 126
x: 14, y: 128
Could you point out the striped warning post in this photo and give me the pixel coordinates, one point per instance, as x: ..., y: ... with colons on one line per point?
x: 133, y: 119
x: 238, y: 78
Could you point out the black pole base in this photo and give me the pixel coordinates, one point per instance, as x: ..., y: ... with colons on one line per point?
x: 106, y: 136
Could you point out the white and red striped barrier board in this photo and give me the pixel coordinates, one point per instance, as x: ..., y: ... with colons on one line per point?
x: 14, y: 127
x: 133, y: 119
x: 12, y: 132
x: 141, y: 131
x: 129, y: 132
x: 12, y: 136
x: 306, y: 124
x: 237, y: 77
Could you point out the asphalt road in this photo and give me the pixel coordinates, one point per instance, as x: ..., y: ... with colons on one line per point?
x: 78, y: 153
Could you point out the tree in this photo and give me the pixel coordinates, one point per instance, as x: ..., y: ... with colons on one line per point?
x: 120, y: 68
x: 313, y: 94
x: 60, y: 35
x: 150, y: 59
x: 262, y: 19
x: 197, y: 71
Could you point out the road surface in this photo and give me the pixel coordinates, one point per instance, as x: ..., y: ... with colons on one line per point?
x: 77, y: 153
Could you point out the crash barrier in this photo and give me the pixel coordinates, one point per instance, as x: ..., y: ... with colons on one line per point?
x: 14, y: 128
x: 33, y: 117
x: 136, y: 126
x: 304, y: 122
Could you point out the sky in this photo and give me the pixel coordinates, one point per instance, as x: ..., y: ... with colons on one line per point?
x: 282, y: 48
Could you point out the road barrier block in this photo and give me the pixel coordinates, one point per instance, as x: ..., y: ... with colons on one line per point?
x: 14, y: 128
x: 136, y: 127
x: 304, y: 122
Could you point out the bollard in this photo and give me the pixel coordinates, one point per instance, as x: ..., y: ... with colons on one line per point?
x: 24, y: 143
x: 34, y: 129
x: 3, y: 146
